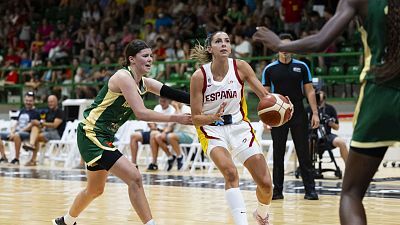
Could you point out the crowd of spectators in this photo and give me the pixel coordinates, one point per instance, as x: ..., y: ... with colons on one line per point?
x: 89, y: 36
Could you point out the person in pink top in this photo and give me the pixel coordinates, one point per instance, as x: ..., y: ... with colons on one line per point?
x: 45, y: 29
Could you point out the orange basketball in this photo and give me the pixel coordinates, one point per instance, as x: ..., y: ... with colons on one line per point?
x: 274, y: 110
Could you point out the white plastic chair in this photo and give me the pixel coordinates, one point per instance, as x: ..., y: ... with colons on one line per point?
x: 64, y: 150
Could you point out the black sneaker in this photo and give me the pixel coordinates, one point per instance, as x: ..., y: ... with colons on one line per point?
x: 171, y: 163
x: 3, y: 160
x: 60, y: 221
x: 179, y: 161
x: 311, y: 195
x: 15, y: 161
x: 152, y: 167
x: 277, y: 195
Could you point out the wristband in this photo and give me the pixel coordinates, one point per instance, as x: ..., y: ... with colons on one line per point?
x: 174, y: 94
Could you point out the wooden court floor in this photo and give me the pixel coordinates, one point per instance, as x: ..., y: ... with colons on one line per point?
x: 35, y: 196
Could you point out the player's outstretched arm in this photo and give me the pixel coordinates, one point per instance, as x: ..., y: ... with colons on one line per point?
x: 160, y: 89
x: 345, y: 12
x: 123, y: 82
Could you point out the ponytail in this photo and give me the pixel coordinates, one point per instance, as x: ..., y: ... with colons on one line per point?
x: 200, y: 54
x: 391, y: 67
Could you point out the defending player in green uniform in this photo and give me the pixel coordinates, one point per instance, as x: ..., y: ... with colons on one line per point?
x: 115, y: 103
x: 377, y: 117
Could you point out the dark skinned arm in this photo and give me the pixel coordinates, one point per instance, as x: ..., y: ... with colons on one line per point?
x: 345, y: 12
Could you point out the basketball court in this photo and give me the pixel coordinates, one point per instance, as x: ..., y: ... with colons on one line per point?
x: 37, y: 195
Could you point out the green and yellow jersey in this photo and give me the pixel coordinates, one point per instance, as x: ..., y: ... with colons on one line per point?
x: 373, y: 34
x: 108, y: 112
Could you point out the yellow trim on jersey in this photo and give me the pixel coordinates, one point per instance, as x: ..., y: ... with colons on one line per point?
x: 244, y: 106
x: 94, y: 160
x: 372, y: 144
x: 94, y: 115
x: 358, y: 106
x: 367, y: 54
x: 92, y: 137
x: 142, y: 84
x: 202, y: 139
x: 245, y: 118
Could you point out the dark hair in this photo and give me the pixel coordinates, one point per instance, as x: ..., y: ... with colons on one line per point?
x: 200, y: 53
x: 133, y: 48
x: 285, y: 36
x: 391, y: 67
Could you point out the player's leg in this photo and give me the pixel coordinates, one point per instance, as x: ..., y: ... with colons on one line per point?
x: 96, y: 181
x: 128, y: 173
x: 223, y: 160
x: 258, y: 169
x: 360, y: 169
x: 247, y: 151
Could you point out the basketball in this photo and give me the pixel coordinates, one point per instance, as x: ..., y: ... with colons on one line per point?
x: 274, y: 110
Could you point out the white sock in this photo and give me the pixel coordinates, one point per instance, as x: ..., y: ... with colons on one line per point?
x: 171, y: 157
x: 69, y: 220
x: 237, y: 206
x: 150, y: 222
x: 263, y: 209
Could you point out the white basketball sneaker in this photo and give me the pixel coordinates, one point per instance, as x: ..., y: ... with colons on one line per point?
x: 260, y: 220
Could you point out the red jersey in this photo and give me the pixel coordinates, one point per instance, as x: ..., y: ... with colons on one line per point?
x: 292, y: 10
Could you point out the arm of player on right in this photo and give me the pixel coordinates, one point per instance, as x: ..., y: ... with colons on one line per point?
x: 345, y: 12
x: 125, y: 83
x: 196, y: 102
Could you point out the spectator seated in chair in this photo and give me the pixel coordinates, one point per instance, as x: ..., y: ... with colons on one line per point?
x: 148, y: 137
x: 22, y: 128
x: 174, y: 135
x: 50, y: 127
